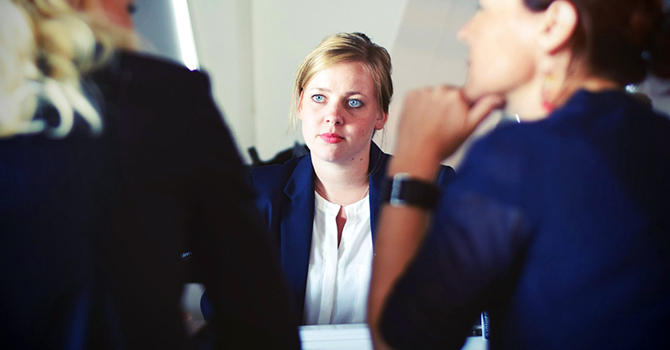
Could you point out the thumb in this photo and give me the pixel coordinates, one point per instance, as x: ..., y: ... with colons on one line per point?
x: 482, y: 107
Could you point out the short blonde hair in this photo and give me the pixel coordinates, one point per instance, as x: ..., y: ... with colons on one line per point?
x: 345, y: 47
x: 45, y: 47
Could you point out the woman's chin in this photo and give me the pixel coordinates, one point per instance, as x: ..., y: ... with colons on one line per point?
x: 472, y: 93
x: 326, y: 155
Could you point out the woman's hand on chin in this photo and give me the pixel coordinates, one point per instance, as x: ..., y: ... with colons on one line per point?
x: 436, y: 120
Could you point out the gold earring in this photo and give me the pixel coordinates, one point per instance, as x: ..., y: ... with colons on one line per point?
x: 547, y: 85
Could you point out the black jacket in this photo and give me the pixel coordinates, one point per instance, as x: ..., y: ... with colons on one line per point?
x: 96, y: 226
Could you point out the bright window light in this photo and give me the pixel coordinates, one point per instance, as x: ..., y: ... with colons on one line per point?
x: 185, y: 32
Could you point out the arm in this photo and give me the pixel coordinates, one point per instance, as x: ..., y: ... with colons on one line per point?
x: 434, y: 123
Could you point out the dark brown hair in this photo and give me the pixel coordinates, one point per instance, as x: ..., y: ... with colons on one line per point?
x: 620, y: 40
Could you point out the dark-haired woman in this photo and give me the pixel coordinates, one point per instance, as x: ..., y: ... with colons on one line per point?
x: 559, y: 225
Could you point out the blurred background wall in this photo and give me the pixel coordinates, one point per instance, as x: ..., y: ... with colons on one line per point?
x: 252, y: 48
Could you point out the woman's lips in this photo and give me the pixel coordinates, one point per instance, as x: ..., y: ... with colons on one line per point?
x: 331, y: 137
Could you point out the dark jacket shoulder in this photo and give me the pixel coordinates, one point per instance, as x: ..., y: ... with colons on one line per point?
x: 272, y: 177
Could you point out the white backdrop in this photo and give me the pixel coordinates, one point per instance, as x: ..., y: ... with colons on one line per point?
x: 252, y: 48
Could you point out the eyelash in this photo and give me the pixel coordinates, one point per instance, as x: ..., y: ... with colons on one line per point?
x: 318, y: 98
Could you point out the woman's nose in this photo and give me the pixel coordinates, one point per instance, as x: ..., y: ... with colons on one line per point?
x: 334, y: 114
x: 464, y: 32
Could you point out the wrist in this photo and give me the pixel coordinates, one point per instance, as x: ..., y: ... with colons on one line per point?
x: 402, y: 189
x: 419, y: 167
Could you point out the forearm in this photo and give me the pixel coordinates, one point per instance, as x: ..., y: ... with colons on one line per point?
x: 393, y: 252
x: 401, y: 231
x: 434, y: 123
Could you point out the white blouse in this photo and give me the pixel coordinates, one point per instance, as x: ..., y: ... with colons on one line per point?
x: 338, y: 279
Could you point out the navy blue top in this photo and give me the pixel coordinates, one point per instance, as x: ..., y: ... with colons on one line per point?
x: 560, y: 228
x: 286, y: 202
x: 56, y: 196
x: 93, y: 228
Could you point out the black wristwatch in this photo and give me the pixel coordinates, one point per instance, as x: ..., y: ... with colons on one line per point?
x: 402, y: 190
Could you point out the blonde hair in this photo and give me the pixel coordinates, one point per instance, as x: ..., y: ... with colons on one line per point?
x: 345, y: 47
x: 45, y: 47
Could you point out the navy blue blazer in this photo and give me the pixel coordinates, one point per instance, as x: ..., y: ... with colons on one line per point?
x: 560, y: 228
x: 285, y: 198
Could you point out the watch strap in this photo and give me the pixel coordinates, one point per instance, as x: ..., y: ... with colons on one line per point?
x: 403, y: 190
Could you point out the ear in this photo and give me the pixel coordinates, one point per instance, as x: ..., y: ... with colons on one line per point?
x: 381, y: 120
x: 560, y: 21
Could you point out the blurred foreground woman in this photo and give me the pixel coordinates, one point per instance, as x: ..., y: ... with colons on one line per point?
x: 112, y: 165
x: 558, y: 225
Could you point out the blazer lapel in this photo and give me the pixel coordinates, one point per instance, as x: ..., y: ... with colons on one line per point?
x: 377, y: 171
x: 296, y: 229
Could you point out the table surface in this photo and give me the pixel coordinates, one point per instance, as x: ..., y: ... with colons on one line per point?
x: 322, y: 337
x: 354, y: 337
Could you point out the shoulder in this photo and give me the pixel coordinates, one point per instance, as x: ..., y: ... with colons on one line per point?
x: 271, y: 179
x: 166, y: 116
x: 149, y: 80
x: 144, y: 67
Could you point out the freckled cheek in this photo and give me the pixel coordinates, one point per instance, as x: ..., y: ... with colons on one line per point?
x: 365, y: 131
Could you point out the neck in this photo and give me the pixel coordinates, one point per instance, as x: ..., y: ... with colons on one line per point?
x: 597, y: 84
x: 526, y: 101
x: 341, y: 184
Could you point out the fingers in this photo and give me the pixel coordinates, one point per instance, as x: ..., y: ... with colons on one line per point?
x: 483, y: 107
x: 437, y: 120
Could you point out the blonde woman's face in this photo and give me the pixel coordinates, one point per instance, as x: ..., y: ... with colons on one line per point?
x: 339, y: 113
x: 501, y: 39
x: 118, y: 12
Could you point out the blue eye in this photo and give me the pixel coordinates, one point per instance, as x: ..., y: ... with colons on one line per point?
x: 318, y: 98
x: 355, y: 103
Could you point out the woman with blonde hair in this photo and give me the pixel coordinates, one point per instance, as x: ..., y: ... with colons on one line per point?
x: 112, y: 166
x: 321, y: 209
x: 558, y: 225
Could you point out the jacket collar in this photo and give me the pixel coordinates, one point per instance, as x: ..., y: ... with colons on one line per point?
x: 302, y: 178
x: 377, y: 171
x: 296, y: 229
